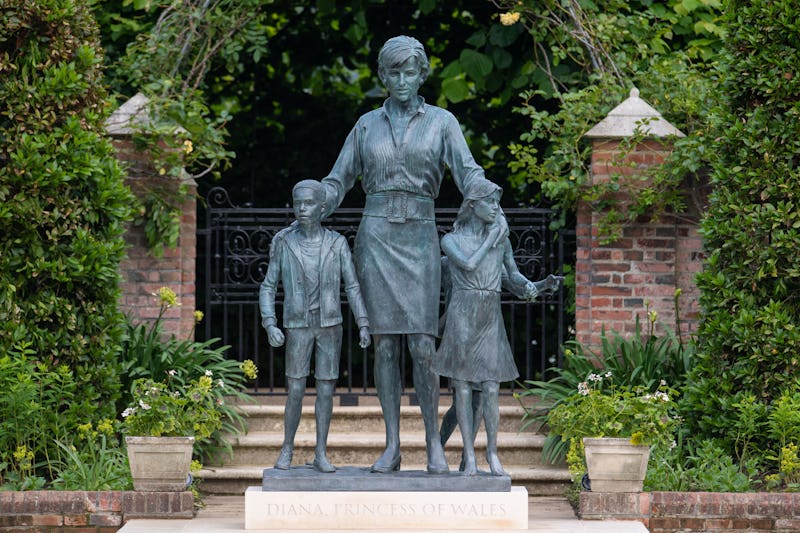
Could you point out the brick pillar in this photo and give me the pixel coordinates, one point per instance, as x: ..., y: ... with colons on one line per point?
x: 618, y: 281
x: 142, y: 272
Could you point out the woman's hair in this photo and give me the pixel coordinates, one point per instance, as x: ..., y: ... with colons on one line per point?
x: 399, y: 49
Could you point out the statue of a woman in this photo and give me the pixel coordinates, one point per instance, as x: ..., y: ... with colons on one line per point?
x: 400, y: 152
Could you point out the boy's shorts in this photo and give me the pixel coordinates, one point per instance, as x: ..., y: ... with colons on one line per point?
x: 324, y: 343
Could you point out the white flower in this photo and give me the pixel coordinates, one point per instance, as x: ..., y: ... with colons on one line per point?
x: 220, y: 383
x: 128, y: 412
x: 673, y: 445
x: 209, y: 373
x: 607, y: 374
x: 143, y: 405
x: 583, y: 388
x: 172, y: 372
x: 663, y: 383
x: 663, y: 396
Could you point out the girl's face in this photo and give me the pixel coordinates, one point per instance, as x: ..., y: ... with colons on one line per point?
x: 486, y: 209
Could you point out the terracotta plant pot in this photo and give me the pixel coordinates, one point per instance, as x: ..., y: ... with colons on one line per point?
x: 615, y: 465
x: 160, y: 463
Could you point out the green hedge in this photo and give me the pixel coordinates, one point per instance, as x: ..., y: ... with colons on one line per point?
x: 63, y: 203
x: 749, y: 338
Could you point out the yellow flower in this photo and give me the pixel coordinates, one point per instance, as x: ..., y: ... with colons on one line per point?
x: 167, y: 297
x: 187, y: 146
x: 653, y: 316
x: 162, y: 171
x: 249, y: 369
x: 509, y: 19
x: 106, y: 426
x: 198, y: 317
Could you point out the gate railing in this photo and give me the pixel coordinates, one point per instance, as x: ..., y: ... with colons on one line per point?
x: 233, y: 250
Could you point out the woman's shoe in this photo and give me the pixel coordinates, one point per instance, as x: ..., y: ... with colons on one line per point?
x: 382, y: 467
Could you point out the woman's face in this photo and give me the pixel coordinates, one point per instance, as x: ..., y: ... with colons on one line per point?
x: 403, y: 81
x: 486, y: 209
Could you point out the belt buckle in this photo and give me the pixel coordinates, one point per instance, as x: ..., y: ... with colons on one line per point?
x: 398, y: 208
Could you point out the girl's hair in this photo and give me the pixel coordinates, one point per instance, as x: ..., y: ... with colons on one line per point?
x: 478, y: 189
x: 399, y: 49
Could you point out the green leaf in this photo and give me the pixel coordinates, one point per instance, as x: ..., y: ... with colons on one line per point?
x: 476, y: 64
x: 455, y: 89
x: 426, y: 6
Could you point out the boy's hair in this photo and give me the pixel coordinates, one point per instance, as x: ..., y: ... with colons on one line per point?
x: 399, y: 49
x: 314, y: 185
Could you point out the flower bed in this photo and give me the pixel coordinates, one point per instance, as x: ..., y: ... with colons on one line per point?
x: 687, y: 512
x: 86, y: 511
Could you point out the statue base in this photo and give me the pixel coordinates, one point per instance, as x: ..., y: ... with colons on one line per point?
x: 355, y: 499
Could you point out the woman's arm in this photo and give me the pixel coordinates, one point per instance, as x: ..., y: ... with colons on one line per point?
x: 343, y: 175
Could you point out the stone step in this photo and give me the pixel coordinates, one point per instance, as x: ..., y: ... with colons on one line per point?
x: 269, y: 418
x: 363, y: 448
x: 539, y: 480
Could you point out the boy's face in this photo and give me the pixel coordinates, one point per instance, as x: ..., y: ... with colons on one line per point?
x: 307, y: 206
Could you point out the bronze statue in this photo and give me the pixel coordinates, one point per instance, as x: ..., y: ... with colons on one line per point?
x: 474, y: 351
x: 310, y: 262
x: 400, y: 152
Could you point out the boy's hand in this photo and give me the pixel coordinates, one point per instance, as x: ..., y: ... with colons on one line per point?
x: 275, y: 336
x: 364, y: 339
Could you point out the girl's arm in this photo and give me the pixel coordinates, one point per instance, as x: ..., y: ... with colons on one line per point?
x: 469, y: 263
x: 532, y: 288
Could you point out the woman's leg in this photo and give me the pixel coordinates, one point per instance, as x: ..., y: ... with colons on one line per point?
x: 387, y: 382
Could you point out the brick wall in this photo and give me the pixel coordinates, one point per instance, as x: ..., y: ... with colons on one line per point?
x: 689, y: 512
x: 619, y: 281
x: 143, y: 273
x: 87, y: 511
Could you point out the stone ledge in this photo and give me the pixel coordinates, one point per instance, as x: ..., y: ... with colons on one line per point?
x: 688, y: 512
x: 88, y: 511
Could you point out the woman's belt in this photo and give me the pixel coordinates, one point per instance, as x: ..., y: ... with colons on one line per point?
x: 397, y: 207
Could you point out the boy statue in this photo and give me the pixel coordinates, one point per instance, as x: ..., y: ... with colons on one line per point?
x: 310, y: 262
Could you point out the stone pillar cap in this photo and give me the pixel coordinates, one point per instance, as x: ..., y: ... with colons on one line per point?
x: 632, y: 116
x: 128, y: 115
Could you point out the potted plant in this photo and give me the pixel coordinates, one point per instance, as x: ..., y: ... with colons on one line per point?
x: 610, y: 430
x: 161, y: 426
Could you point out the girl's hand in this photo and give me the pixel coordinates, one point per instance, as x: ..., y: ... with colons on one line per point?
x: 499, y: 230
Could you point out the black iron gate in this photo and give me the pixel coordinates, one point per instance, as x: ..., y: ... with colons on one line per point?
x: 233, y: 254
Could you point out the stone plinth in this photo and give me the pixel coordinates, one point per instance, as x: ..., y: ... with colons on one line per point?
x: 356, y: 479
x: 394, y: 510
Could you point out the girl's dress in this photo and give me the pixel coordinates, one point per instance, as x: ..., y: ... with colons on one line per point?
x: 474, y: 343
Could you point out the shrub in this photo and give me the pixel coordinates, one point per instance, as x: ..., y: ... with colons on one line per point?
x: 748, y: 336
x: 62, y: 201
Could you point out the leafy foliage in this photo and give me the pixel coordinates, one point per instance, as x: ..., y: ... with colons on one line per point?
x: 62, y: 205
x: 589, y: 56
x: 93, y: 460
x: 38, y: 406
x: 178, y: 365
x: 748, y: 337
x: 164, y: 409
